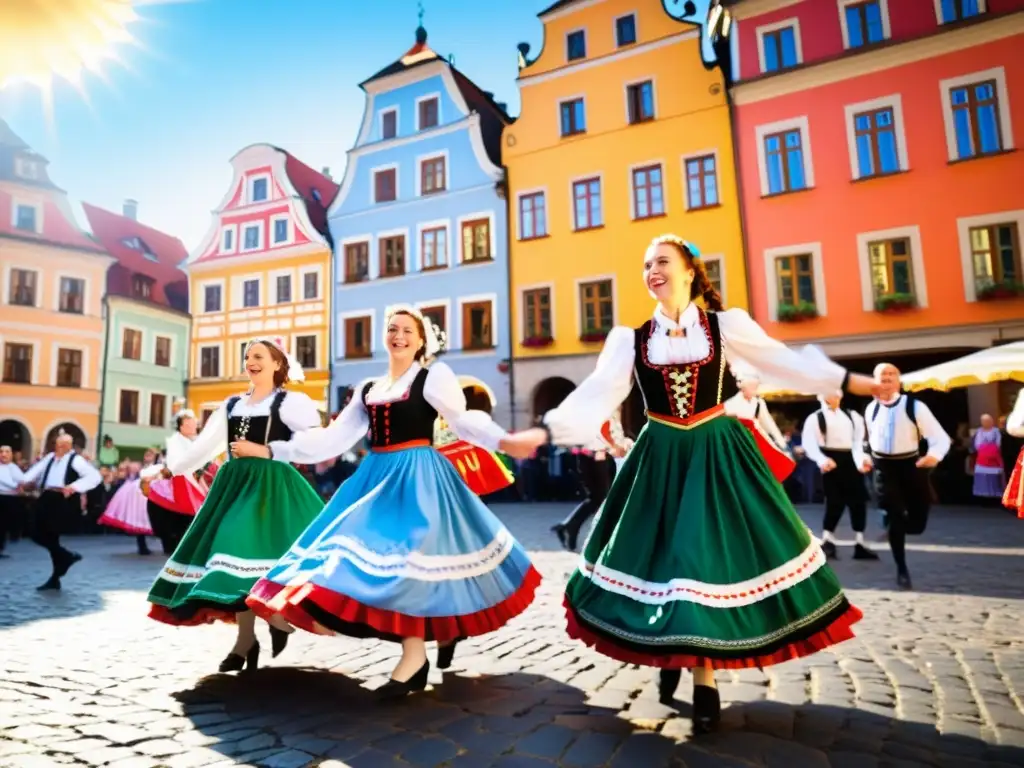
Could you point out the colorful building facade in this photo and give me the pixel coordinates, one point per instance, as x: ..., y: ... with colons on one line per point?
x: 623, y: 135
x: 51, y: 309
x: 147, y: 330
x: 876, y: 143
x: 262, y: 270
x: 421, y: 220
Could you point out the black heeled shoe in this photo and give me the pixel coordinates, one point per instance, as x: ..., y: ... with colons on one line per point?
x: 445, y: 654
x: 397, y: 689
x: 233, y: 662
x: 668, y: 681
x: 707, y: 709
x: 278, y: 641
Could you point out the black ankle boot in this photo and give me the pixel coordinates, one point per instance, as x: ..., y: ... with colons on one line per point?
x: 399, y: 689
x: 233, y: 662
x: 668, y: 681
x: 445, y: 654
x: 278, y: 641
x: 707, y: 709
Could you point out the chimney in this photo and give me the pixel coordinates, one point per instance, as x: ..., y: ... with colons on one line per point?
x: 131, y: 209
x: 327, y: 172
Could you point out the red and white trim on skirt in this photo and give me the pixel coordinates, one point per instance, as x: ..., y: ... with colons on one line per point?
x: 1013, y: 496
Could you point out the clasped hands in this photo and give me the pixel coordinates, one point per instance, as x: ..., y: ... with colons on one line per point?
x: 241, y: 449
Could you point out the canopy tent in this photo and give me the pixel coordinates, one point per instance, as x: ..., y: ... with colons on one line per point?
x: 1001, y: 363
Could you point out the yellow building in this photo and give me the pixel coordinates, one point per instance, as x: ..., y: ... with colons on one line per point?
x: 623, y: 135
x: 263, y: 270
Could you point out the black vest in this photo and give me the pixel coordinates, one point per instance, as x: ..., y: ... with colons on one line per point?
x: 683, y: 389
x: 261, y: 429
x: 410, y: 417
x: 70, y: 475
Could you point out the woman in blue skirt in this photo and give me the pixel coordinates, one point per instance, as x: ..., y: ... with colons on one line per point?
x: 405, y: 551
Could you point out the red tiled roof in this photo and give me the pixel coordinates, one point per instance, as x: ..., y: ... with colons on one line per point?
x: 307, y: 181
x: 58, y: 228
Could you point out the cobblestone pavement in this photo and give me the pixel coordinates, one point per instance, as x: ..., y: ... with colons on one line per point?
x: 935, y: 678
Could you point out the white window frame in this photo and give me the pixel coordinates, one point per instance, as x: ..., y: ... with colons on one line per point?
x: 233, y: 229
x: 370, y: 240
x: 427, y: 97
x: 543, y: 192
x: 558, y: 116
x: 772, y: 279
x: 85, y: 291
x: 380, y: 122
x: 586, y: 45
x: 58, y: 345
x: 26, y: 168
x: 683, y: 160
x: 318, y: 335
x: 579, y: 281
x: 36, y: 345
x: 318, y: 271
x: 352, y: 314
x: 289, y: 234
x: 476, y: 216
x: 572, y: 200
x: 1002, y: 93
x: 260, y: 240
x: 238, y: 291
x: 911, y: 233
x: 447, y: 304
x: 653, y: 80
x: 142, y: 344
x: 615, y: 30
x: 660, y: 162
x: 894, y: 101
x: 982, y: 9
x: 802, y: 124
x: 8, y: 284
x: 199, y: 358
x: 168, y: 408
x: 883, y: 7
x: 523, y: 290
x: 374, y: 253
x: 421, y: 159
x: 224, y: 299
x: 272, y: 285
x: 421, y: 227
x: 373, y: 183
x: 250, y: 188
x: 141, y: 415
x: 720, y: 259
x: 20, y: 202
x: 477, y: 298
x: 792, y: 21
x: 170, y: 354
x: 963, y: 228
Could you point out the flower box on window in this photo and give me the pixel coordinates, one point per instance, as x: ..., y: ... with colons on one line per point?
x: 794, y: 313
x: 895, y: 302
x: 1004, y: 289
x: 594, y: 335
x: 538, y: 341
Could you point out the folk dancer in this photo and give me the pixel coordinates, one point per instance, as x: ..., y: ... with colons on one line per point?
x: 127, y: 508
x: 256, y: 508
x: 405, y: 551
x: 989, y: 474
x: 752, y: 411
x: 62, y: 476
x: 1013, y: 496
x: 11, y: 500
x: 896, y: 424
x: 834, y: 439
x: 698, y: 559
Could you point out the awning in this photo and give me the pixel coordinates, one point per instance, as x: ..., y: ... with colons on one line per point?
x: 1001, y: 363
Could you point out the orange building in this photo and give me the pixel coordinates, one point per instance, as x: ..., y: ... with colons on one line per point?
x: 877, y: 157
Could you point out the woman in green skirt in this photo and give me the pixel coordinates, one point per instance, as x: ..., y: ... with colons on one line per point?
x: 257, y: 507
x: 697, y: 559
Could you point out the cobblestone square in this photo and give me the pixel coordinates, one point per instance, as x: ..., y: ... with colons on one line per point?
x: 935, y: 678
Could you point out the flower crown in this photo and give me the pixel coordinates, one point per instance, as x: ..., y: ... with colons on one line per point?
x: 435, y: 340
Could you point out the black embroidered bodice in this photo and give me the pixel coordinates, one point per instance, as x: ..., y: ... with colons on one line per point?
x: 683, y: 389
x: 408, y: 418
x: 259, y: 429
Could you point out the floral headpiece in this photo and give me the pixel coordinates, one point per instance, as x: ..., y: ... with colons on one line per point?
x: 295, y: 372
x: 435, y: 341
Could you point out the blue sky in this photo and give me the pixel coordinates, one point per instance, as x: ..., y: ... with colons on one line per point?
x: 210, y: 77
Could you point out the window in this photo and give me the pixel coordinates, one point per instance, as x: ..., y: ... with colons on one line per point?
x: 305, y: 351
x: 532, y: 216
x: 648, y: 195
x: 995, y: 254
x: 229, y: 240
x: 72, y: 295
x: 576, y: 45
x: 128, y: 407
x: 701, y: 182
x: 864, y: 23
x: 241, y: 356
x: 428, y: 113
x: 26, y: 168
x: 280, y: 230
x: 205, y: 416
x: 434, y: 248
x: 357, y: 337
x: 476, y: 325
x: 69, y: 368
x: 713, y: 267
x: 357, y: 262
x: 625, y: 30
x: 392, y: 256
x: 779, y: 49
x: 209, y: 362
x: 389, y: 124
x: 958, y: 10
x: 259, y: 190
x: 587, y: 204
x: 476, y: 240
x: 875, y: 136
x: 891, y: 269
x: 596, y: 306
x: 574, y: 120
x: 432, y: 176
x: 284, y: 289
x: 17, y: 363
x: 640, y: 101
x: 142, y: 287
x: 310, y: 286
x: 437, y: 315
x: 252, y: 237
x: 795, y: 278
x: 131, y: 344
x: 385, y: 189
x: 976, y: 119
x: 157, y: 410
x: 26, y: 218
x: 537, y: 313
x: 251, y: 293
x: 23, y: 288
x: 211, y: 298
x: 162, y: 356
x: 784, y: 160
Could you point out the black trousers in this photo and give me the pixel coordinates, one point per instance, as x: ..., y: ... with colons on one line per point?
x: 596, y: 478
x: 844, y: 488
x: 10, y: 516
x: 905, y: 495
x: 167, y: 526
x: 54, y: 516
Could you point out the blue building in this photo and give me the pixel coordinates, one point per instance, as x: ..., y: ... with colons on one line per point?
x: 421, y: 219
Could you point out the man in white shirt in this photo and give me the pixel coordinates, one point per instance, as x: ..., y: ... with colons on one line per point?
x: 11, y: 501
x: 747, y: 404
x: 833, y: 438
x: 896, y: 424
x: 62, y: 476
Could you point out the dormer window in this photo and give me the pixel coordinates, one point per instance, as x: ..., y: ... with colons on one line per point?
x: 26, y: 218
x: 576, y: 45
x: 259, y: 190
x: 389, y: 124
x: 429, y: 113
x: 26, y: 169
x: 142, y: 287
